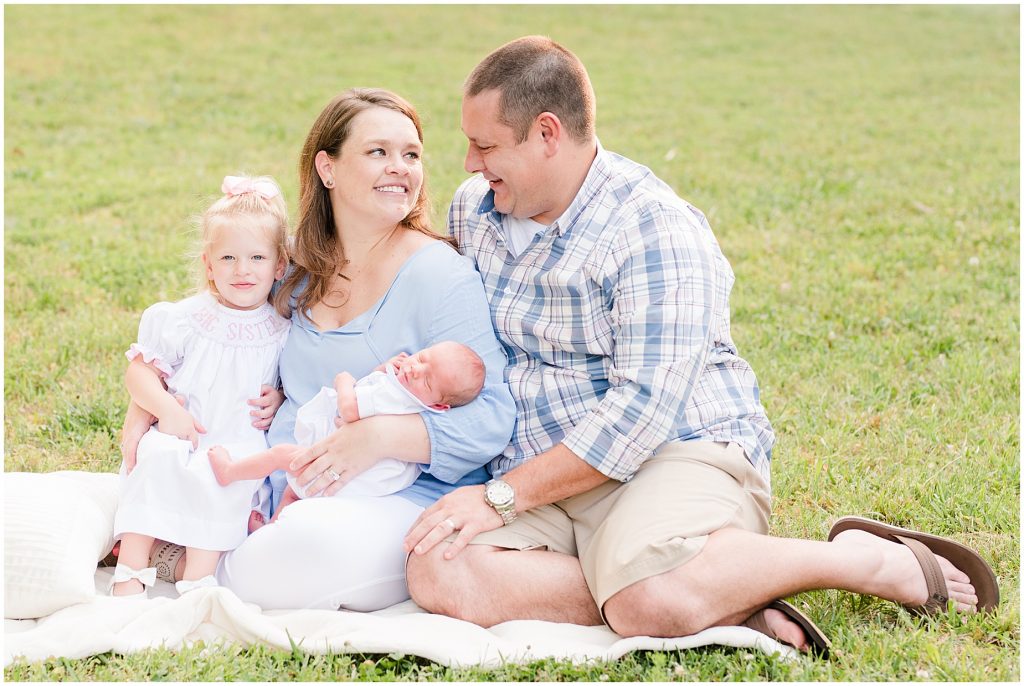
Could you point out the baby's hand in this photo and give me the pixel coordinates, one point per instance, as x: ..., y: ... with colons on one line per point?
x: 181, y: 424
x: 348, y: 407
x: 395, y: 362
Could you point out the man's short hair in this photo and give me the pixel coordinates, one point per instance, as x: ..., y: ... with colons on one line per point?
x: 534, y: 74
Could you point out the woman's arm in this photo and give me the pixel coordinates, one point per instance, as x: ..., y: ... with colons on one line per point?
x: 464, y: 438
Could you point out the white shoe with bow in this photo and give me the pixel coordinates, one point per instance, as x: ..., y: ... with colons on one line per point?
x: 123, y: 572
x: 186, y: 585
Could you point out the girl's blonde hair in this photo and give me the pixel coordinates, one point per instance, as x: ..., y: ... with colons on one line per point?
x: 316, y: 253
x: 255, y: 199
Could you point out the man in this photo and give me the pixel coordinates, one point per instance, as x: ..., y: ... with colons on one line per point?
x: 635, y: 490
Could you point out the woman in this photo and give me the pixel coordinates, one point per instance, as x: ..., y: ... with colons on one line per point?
x: 369, y: 280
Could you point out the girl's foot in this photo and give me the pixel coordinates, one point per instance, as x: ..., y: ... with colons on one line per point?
x: 128, y: 588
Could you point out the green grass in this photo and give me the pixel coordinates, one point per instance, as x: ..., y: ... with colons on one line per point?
x: 860, y: 166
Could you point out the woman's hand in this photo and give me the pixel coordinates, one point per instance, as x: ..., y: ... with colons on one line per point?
x: 328, y: 465
x: 354, y: 448
x: 463, y: 510
x: 266, y: 406
x: 136, y: 423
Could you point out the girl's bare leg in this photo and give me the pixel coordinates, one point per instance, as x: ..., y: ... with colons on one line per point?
x: 200, y: 563
x: 134, y: 553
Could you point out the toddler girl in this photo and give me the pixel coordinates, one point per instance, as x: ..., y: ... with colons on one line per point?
x: 216, y: 349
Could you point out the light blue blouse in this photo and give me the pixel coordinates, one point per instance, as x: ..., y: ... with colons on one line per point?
x: 436, y: 296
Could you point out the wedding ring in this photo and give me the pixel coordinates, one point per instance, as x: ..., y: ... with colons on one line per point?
x: 332, y: 475
x: 451, y: 524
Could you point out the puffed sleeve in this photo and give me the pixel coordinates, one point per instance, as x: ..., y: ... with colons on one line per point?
x: 465, y: 438
x: 162, y: 334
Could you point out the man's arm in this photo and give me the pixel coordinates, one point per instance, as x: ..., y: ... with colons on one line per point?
x: 549, y: 477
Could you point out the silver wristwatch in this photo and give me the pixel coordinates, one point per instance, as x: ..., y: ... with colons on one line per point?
x: 499, y: 495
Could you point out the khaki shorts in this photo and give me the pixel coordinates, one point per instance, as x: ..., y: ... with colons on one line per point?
x: 626, y: 532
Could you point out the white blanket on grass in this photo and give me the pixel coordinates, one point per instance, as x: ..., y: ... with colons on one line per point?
x: 57, y: 524
x: 217, y: 614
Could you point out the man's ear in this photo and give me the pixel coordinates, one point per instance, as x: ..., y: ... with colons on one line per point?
x: 551, y: 131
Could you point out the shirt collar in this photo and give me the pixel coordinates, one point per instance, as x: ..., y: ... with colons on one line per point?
x: 595, y: 178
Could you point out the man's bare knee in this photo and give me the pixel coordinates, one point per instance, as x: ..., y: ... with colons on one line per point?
x: 425, y: 580
x: 647, y: 608
x: 445, y: 587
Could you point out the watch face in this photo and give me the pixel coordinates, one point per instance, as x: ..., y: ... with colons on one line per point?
x: 499, y: 493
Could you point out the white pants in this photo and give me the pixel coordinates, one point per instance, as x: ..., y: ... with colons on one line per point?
x: 325, y: 553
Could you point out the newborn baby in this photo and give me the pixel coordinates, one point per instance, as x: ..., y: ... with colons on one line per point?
x: 435, y: 379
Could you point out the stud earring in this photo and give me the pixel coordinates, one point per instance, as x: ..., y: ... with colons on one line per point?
x: 329, y: 183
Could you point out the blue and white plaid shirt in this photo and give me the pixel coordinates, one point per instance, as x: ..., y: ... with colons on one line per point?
x: 615, y: 321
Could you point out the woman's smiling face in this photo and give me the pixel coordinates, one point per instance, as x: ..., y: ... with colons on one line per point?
x: 378, y: 173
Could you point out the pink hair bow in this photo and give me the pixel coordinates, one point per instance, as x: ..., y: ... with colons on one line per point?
x: 237, y: 185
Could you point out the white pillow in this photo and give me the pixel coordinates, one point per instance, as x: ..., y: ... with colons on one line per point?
x: 57, y: 526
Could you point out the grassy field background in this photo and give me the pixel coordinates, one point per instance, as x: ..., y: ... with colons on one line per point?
x: 860, y: 167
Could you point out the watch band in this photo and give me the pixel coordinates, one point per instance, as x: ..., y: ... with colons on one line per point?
x: 507, y: 512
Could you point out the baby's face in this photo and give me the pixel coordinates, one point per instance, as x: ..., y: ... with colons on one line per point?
x: 429, y: 375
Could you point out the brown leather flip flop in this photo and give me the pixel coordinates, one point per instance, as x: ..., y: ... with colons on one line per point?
x: 925, y: 547
x: 820, y: 645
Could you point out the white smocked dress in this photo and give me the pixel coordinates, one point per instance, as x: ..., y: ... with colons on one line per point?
x: 218, y: 358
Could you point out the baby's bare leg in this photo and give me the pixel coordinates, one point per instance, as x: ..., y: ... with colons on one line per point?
x: 253, y: 467
x: 348, y: 408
